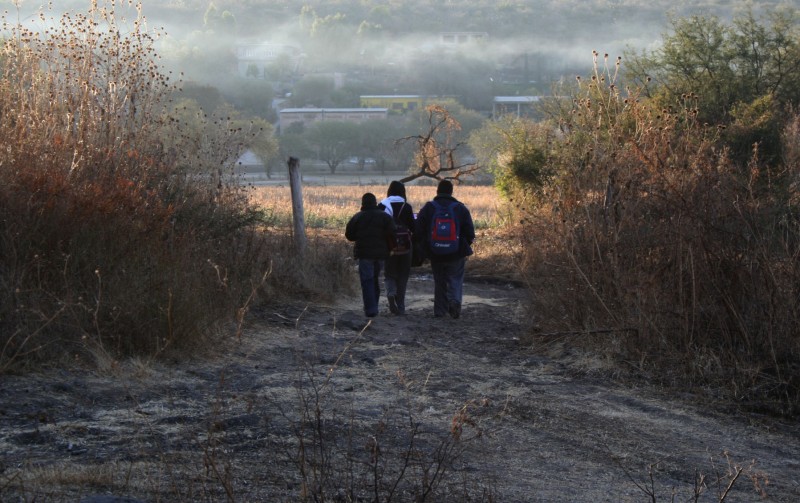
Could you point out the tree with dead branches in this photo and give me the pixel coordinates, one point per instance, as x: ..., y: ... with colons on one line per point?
x: 435, y: 149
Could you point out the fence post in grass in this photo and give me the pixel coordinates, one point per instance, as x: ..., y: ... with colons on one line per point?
x: 297, y: 204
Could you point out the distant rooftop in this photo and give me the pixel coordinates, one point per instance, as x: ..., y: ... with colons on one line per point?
x: 338, y: 110
x: 516, y: 99
x: 391, y: 96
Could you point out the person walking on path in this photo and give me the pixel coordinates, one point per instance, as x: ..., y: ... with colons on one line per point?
x: 398, y: 265
x: 371, y: 229
x: 445, y: 228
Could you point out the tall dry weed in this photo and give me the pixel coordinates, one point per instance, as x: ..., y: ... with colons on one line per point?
x: 108, y: 242
x: 644, y: 229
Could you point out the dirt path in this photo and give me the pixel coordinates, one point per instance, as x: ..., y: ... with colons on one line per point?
x: 489, y: 419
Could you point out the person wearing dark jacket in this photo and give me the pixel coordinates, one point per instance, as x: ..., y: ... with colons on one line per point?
x: 370, y: 229
x: 448, y: 269
x: 398, y: 267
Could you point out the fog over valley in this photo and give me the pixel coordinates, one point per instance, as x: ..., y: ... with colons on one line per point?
x: 393, y: 47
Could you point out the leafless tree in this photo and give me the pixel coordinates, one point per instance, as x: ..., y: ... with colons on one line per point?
x: 434, y: 155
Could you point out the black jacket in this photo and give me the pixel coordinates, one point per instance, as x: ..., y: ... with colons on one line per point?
x: 371, y: 229
x: 466, y: 228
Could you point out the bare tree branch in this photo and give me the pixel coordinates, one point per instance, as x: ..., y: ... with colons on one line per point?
x: 435, y: 150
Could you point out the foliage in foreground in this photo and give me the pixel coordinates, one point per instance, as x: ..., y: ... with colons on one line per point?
x: 115, y: 237
x: 643, y: 231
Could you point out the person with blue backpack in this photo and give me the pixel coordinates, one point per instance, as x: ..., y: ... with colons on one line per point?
x: 445, y: 229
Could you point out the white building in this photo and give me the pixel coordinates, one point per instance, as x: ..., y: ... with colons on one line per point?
x: 521, y: 106
x: 289, y: 116
x: 256, y: 57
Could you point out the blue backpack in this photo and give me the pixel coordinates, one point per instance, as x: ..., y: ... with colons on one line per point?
x: 444, y: 229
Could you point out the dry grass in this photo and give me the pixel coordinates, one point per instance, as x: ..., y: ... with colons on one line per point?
x: 650, y: 245
x: 108, y: 246
x: 332, y: 206
x: 327, y: 210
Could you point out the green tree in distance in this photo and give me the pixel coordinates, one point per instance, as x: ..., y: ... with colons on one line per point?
x: 726, y: 72
x: 313, y: 91
x: 333, y: 141
x: 515, y: 151
x: 377, y: 140
x: 723, y: 64
x: 328, y: 37
x: 208, y: 98
x: 252, y: 97
x: 280, y: 70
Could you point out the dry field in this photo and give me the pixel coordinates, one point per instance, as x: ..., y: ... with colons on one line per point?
x: 328, y: 208
x: 331, y: 206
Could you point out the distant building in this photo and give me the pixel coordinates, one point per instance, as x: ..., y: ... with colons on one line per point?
x: 454, y: 38
x: 521, y: 106
x: 306, y: 116
x: 393, y: 102
x: 253, y: 58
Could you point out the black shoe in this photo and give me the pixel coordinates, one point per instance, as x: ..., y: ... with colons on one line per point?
x: 454, y: 308
x: 393, y: 305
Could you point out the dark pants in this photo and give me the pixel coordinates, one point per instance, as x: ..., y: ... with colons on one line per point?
x: 369, y: 271
x: 398, y: 269
x: 448, y: 279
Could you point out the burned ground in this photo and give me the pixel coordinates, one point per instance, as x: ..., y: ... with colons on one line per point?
x: 312, y: 401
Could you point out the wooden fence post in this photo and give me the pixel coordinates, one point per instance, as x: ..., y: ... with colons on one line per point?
x: 298, y: 217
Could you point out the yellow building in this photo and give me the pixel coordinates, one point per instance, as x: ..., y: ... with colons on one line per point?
x: 393, y: 102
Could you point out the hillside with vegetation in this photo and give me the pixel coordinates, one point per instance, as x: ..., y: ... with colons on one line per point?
x: 658, y: 192
x: 392, y: 47
x: 499, y: 19
x: 643, y: 263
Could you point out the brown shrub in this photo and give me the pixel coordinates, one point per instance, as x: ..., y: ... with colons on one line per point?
x: 108, y: 243
x: 647, y: 231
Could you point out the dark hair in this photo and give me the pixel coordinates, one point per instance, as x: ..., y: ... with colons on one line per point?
x: 368, y: 200
x: 396, y: 189
x: 445, y: 187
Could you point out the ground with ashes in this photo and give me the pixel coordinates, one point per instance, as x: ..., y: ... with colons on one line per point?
x: 467, y: 409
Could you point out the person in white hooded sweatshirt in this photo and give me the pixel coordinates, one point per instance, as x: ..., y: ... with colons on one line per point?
x: 398, y: 267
